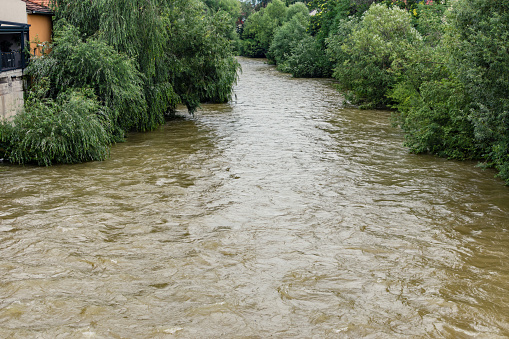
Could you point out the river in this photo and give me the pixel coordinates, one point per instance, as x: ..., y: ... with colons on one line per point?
x: 281, y: 214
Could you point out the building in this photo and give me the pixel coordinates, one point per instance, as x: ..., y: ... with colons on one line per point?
x: 14, y: 31
x: 39, y: 17
x: 23, y: 23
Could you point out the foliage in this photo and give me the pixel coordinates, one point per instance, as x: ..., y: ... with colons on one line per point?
x: 114, y: 78
x: 201, y: 65
x: 308, y: 59
x: 232, y: 7
x: 373, y: 52
x: 328, y: 14
x: 430, y: 22
x: 285, y: 39
x: 298, y: 8
x: 479, y: 50
x: 433, y: 107
x: 260, y: 27
x: 452, y: 96
x: 116, y: 66
x: 170, y: 40
x: 69, y: 129
x: 5, y: 138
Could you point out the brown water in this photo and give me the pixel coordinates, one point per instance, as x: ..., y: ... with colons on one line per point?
x: 279, y: 215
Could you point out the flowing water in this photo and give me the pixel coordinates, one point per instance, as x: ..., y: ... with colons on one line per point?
x: 282, y: 214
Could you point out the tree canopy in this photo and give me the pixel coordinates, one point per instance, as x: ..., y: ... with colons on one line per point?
x: 117, y: 66
x: 442, y: 64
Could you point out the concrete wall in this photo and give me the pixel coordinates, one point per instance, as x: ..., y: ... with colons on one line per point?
x: 13, y: 10
x: 11, y: 93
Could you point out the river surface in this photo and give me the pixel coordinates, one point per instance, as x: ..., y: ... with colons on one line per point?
x: 282, y: 214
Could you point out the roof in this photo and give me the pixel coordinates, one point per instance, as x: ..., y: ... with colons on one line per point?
x: 9, y: 26
x: 41, y: 2
x: 38, y: 6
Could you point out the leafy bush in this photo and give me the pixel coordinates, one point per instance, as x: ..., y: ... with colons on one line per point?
x: 433, y: 106
x: 200, y: 62
x: 309, y: 60
x: 478, y: 46
x: 74, y: 64
x: 430, y: 22
x: 67, y: 130
x: 328, y: 14
x: 117, y: 66
x: 298, y: 8
x: 433, y: 111
x: 286, y: 38
x: 5, y: 138
x: 372, y: 54
x: 173, y: 44
x: 260, y: 27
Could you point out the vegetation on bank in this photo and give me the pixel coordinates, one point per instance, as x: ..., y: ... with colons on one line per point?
x: 123, y: 65
x: 443, y: 65
x: 117, y: 66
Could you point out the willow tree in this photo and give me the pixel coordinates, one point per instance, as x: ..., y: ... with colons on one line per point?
x: 134, y: 28
x: 200, y: 57
x: 182, y: 51
x: 117, y: 66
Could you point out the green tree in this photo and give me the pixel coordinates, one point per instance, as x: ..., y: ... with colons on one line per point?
x: 232, y: 7
x: 260, y: 27
x: 117, y: 84
x: 65, y: 130
x: 286, y: 37
x: 373, y: 52
x: 151, y: 32
x: 327, y: 15
x: 200, y: 63
x: 433, y: 105
x: 308, y: 59
x: 296, y: 9
x: 116, y: 66
x: 479, y: 48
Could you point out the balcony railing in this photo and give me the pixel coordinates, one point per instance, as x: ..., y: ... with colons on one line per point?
x: 11, y: 60
x: 17, y: 33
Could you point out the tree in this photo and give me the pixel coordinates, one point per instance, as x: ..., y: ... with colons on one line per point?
x: 117, y: 66
x: 114, y: 78
x: 371, y: 54
x: 260, y: 27
x: 200, y: 62
x: 480, y: 58
x: 285, y: 39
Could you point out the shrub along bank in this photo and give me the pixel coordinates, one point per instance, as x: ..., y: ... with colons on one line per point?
x: 117, y: 66
x: 443, y: 65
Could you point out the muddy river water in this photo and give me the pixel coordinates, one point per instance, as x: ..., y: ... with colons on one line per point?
x: 282, y: 214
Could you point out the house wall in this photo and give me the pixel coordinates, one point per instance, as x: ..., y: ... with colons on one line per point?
x: 40, y: 30
x: 11, y: 82
x: 13, y: 10
x: 11, y: 93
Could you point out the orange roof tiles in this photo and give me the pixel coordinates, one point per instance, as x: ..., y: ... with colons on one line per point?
x: 41, y: 2
x: 39, y: 6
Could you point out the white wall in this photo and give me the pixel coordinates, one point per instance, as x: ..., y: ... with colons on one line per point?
x: 13, y: 10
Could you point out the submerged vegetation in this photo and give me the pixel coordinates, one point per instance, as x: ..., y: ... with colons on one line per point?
x: 443, y: 65
x: 117, y: 66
